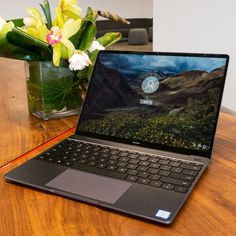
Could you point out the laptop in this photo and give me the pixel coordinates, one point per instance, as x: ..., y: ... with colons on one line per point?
x: 144, y: 136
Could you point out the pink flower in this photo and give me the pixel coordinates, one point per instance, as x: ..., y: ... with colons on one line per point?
x: 54, y: 36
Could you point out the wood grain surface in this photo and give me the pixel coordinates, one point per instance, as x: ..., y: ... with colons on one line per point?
x: 17, y: 127
x: 210, y: 210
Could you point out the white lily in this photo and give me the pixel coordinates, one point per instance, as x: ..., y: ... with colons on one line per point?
x: 79, y: 61
x: 30, y: 21
x: 5, y: 27
x: 96, y: 46
x: 2, y: 23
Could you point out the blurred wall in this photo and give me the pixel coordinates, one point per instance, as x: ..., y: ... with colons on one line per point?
x: 199, y: 26
x: 126, y: 8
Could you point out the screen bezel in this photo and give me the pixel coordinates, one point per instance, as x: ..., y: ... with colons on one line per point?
x: 151, y: 145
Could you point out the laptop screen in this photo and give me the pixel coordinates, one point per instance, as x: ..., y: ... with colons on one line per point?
x: 163, y: 100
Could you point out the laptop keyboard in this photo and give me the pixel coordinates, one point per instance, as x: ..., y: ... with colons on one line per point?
x: 157, y: 171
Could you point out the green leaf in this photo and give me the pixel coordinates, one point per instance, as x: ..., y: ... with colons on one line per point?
x: 15, y: 52
x: 61, y: 93
x: 47, y: 12
x: 89, y: 11
x: 89, y: 31
x: 109, y: 38
x: 75, y: 39
x: 25, y: 41
x: 87, y: 72
x: 18, y: 22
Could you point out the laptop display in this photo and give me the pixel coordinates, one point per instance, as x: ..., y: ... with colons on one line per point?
x: 145, y: 130
x: 169, y: 101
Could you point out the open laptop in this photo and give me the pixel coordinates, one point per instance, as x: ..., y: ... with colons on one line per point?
x: 144, y: 136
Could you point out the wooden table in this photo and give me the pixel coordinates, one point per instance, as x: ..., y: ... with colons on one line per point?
x: 210, y: 210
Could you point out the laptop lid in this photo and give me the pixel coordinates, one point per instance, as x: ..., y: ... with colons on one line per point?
x: 166, y: 101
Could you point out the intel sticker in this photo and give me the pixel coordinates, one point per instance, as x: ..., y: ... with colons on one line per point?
x: 163, y: 214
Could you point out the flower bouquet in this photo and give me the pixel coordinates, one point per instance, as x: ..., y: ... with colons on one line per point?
x: 59, y: 54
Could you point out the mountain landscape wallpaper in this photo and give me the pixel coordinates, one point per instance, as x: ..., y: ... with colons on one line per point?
x: 167, y: 100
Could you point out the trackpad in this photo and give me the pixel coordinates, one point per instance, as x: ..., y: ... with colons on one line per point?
x: 89, y: 185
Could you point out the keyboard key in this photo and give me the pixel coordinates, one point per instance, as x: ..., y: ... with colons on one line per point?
x: 180, y: 189
x: 64, y: 157
x: 96, y: 154
x: 59, y: 161
x: 143, y: 181
x: 154, y: 177
x: 181, y: 176
x: 142, y: 168
x: 186, y: 162
x: 92, y: 163
x: 131, y: 166
x: 70, y: 148
x: 155, y: 165
x: 93, y: 158
x: 49, y: 154
x: 112, y: 168
x: 175, y: 181
x: 168, y: 186
x: 153, y: 159
x: 97, y: 149
x: 66, y: 153
x: 174, y: 163
x: 176, y: 169
x: 143, y: 174
x: 144, y: 163
x: 68, y: 163
x: 111, y: 162
x: 101, y: 165
x: 163, y: 162
x: 96, y: 170
x: 190, y: 172
x: 105, y: 155
x: 84, y: 156
x: 133, y: 155
x: 143, y: 158
x: 80, y: 145
x: 123, y: 154
x: 164, y: 172
x: 134, y: 161
x: 75, y: 154
x: 121, y: 164
x: 153, y: 170
x: 114, y: 152
x: 105, y: 150
x: 41, y: 157
x: 156, y: 184
x: 131, y: 178
x: 87, y: 147
x: 190, y: 167
x: 125, y: 159
x: 121, y: 170
x: 51, y: 159
x: 82, y: 161
x: 164, y: 167
x: 102, y: 160
x: 87, y: 151
x: 114, y: 157
x: 132, y: 172
x: 197, y: 164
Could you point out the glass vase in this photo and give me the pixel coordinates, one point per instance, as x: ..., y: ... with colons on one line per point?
x: 53, y: 92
